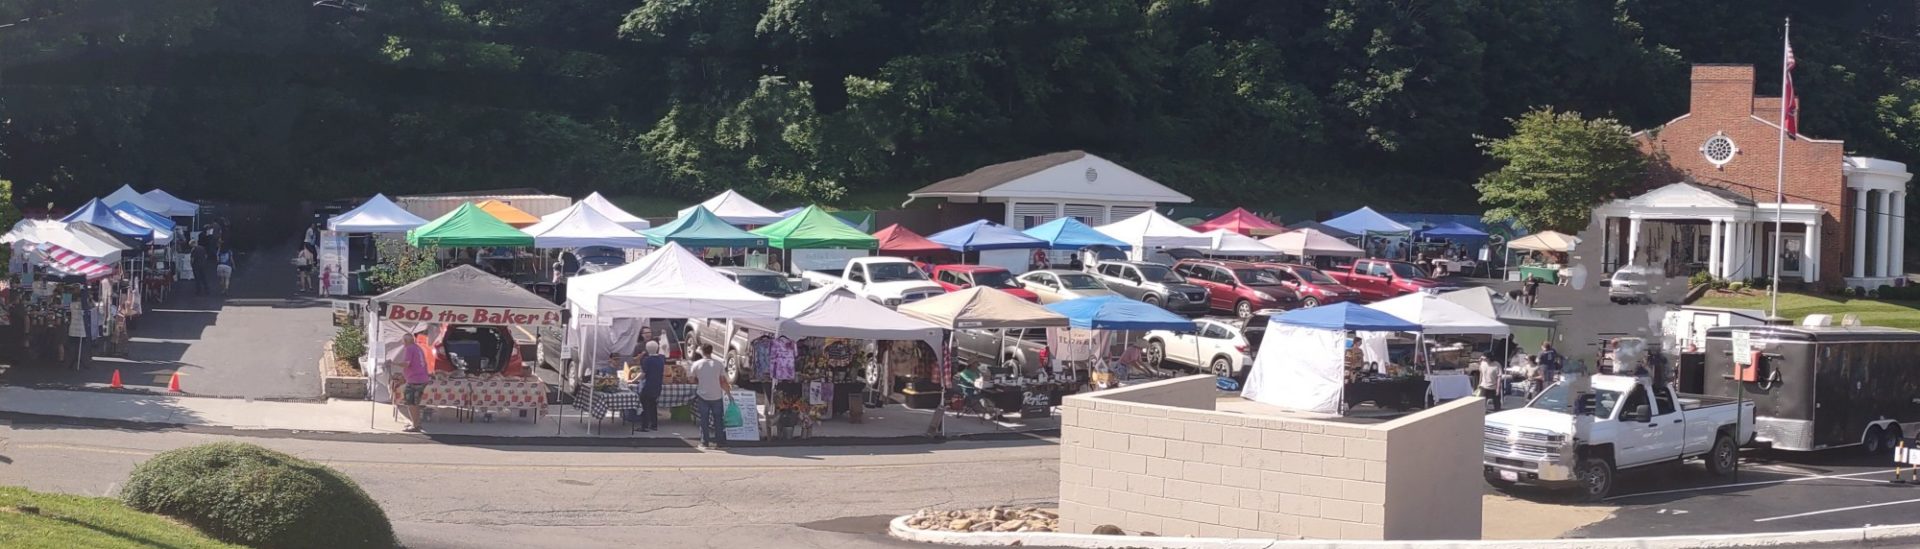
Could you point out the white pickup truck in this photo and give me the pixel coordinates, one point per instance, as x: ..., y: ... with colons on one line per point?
x: 888, y: 281
x: 1634, y: 423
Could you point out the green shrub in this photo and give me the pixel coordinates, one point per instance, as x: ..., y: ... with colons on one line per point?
x: 1737, y: 286
x: 350, y: 343
x: 1760, y: 283
x: 1698, y: 279
x: 250, y: 495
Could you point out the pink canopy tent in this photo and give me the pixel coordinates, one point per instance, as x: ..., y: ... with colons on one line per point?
x: 1241, y: 221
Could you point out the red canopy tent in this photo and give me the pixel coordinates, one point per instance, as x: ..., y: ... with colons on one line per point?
x: 900, y: 241
x: 1241, y: 221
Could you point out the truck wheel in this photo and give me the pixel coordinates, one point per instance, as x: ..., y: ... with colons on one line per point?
x: 1596, y: 478
x: 1721, y: 459
x: 1156, y: 354
x: 1874, y: 442
x: 737, y: 368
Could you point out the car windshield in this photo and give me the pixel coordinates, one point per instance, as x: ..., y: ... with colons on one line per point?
x: 890, y: 272
x: 994, y: 279
x: 1075, y: 281
x: 763, y: 284
x: 1156, y: 273
x: 1313, y: 276
x: 1404, y: 270
x: 1555, y: 398
x: 1256, y: 277
x: 1628, y: 276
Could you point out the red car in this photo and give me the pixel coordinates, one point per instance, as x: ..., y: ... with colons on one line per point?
x: 1315, y: 287
x: 954, y: 278
x: 1238, y: 286
x: 1381, y: 279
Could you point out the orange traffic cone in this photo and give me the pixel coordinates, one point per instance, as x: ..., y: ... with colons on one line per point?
x: 173, y: 384
x: 116, y: 380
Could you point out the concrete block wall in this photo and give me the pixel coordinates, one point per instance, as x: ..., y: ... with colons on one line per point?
x: 1158, y: 458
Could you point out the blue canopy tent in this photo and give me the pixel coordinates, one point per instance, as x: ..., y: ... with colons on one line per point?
x: 1068, y: 233
x: 1365, y: 220
x: 1109, y: 312
x: 1346, y: 316
x: 98, y: 214
x: 161, y: 225
x: 985, y: 235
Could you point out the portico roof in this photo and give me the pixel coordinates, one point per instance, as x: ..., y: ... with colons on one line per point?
x: 1691, y: 200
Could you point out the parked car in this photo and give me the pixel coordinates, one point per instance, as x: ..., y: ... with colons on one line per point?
x: 1019, y: 351
x: 889, y: 281
x: 1634, y: 424
x: 1237, y: 286
x: 1315, y: 288
x: 1630, y: 284
x: 1056, y: 285
x: 1378, y: 279
x: 761, y: 281
x: 1224, y: 346
x: 954, y: 278
x: 1152, y: 283
x: 723, y: 334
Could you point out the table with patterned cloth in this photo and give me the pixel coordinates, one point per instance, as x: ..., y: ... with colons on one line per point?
x: 446, y: 393
x: 675, y: 394
x: 599, y: 403
x: 507, y: 394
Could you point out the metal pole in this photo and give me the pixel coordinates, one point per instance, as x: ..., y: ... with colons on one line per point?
x: 1780, y: 174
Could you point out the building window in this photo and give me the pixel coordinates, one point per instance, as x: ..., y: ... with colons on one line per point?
x: 1719, y: 149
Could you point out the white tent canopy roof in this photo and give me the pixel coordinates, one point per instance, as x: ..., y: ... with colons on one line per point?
x: 1309, y: 242
x: 1226, y: 242
x: 582, y: 225
x: 1545, y: 241
x: 1150, y: 229
x: 612, y: 212
x: 1441, y: 317
x: 45, y: 231
x: 174, y: 206
x: 668, y: 283
x: 834, y: 311
x: 126, y: 195
x: 737, y: 210
x: 378, y: 215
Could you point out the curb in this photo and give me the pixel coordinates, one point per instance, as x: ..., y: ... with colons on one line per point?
x: 1872, y: 536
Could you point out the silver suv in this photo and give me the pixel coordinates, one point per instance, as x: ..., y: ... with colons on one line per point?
x: 1152, y: 283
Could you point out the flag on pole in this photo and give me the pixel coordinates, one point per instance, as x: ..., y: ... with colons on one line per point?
x: 1789, y: 101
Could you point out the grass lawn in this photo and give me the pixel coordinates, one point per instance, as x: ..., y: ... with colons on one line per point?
x: 1872, y: 312
x: 31, y: 519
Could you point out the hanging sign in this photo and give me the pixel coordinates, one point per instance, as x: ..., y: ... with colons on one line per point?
x: 502, y: 316
x: 333, y: 262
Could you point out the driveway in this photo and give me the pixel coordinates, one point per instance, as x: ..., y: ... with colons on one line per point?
x: 259, y: 341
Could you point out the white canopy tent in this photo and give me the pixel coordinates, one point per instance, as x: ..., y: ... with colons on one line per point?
x: 126, y: 195
x: 612, y: 212
x: 581, y: 225
x: 834, y: 311
x: 1438, y: 316
x: 1309, y: 243
x: 378, y: 215
x: 1227, y: 242
x: 736, y: 210
x: 1150, y: 230
x: 669, y: 283
x: 1299, y: 368
x: 46, y: 231
x: 172, y: 205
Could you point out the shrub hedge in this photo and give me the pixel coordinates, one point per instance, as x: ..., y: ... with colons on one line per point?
x: 250, y: 495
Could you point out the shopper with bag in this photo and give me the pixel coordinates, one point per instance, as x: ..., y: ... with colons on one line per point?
x: 710, y: 398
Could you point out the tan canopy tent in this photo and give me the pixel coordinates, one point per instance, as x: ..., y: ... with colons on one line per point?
x: 982, y: 309
x: 1545, y: 241
x: 1311, y: 242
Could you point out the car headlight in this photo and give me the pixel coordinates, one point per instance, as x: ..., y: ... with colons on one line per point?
x: 1263, y: 296
x: 892, y: 302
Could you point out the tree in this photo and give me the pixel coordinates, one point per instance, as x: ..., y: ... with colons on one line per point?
x: 9, y: 215
x: 1556, y: 166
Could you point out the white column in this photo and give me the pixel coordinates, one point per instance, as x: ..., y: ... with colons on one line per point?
x: 1899, y: 222
x: 1716, y: 250
x: 1883, y: 251
x: 1741, y: 242
x: 1859, y: 233
x: 1810, y: 263
x: 1633, y: 241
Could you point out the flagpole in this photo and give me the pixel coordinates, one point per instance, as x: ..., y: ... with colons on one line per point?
x: 1780, y: 169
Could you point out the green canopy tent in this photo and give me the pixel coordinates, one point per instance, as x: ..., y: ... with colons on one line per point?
x: 701, y: 229
x: 467, y: 227
x: 815, y: 228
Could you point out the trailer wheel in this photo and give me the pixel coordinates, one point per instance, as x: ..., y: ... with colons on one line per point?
x: 1720, y: 459
x: 1894, y: 436
x: 1874, y: 441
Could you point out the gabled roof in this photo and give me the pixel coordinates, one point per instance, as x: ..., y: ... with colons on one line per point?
x: 1689, y: 194
x: 1061, y: 175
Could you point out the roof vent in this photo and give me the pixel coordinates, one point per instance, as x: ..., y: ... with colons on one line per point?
x: 1817, y: 320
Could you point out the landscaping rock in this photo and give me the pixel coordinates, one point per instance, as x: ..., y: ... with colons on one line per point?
x: 991, y: 519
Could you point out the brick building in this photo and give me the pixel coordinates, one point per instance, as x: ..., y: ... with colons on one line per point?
x: 1715, y: 211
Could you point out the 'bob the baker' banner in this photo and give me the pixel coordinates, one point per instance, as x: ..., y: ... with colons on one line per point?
x: 472, y: 315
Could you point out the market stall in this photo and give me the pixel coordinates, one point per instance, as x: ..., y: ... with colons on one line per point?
x: 614, y: 213
x: 815, y: 237
x: 469, y: 235
x: 1067, y: 235
x: 992, y: 244
x: 1242, y: 222
x: 1149, y: 232
x: 506, y: 213
x: 581, y: 225
x: 836, y: 341
x: 1104, y: 315
x: 973, y: 309
x: 899, y: 241
x: 1447, y: 339
x: 479, y: 327
x: 1547, y: 261
x: 734, y: 209
x: 378, y: 215
x: 1308, y: 243
x: 67, y: 291
x: 699, y: 228
x: 1380, y: 236
x: 1232, y: 244
x: 1447, y: 244
x: 1530, y: 327
x: 126, y: 195
x: 173, y: 206
x: 1312, y: 360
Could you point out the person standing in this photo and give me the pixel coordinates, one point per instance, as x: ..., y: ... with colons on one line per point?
x: 224, y: 267
x: 303, y: 268
x: 1532, y: 289
x: 1550, y: 363
x: 202, y: 267
x: 653, y: 367
x: 416, y: 377
x: 710, y: 397
x: 1492, y: 380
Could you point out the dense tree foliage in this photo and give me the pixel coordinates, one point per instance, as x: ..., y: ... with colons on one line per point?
x: 1556, y: 166
x: 1305, y: 103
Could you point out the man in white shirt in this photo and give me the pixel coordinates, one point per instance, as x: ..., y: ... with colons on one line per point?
x: 710, y: 397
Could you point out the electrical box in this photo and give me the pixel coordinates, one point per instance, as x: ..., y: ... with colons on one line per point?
x: 1752, y: 370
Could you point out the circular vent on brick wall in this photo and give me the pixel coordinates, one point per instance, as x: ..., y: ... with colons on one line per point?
x: 1719, y: 150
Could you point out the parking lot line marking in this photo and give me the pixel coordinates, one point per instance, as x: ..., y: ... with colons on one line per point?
x: 1842, y: 509
x: 1745, y: 484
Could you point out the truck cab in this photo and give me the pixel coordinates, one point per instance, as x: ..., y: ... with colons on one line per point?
x: 1379, y: 279
x: 1628, y: 422
x: 889, y: 281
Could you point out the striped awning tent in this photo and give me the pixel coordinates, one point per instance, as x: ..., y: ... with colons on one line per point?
x: 68, y: 262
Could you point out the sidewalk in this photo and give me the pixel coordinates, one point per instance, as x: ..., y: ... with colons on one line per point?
x: 363, y: 417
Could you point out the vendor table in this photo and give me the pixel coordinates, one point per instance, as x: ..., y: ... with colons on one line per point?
x: 1449, y: 386
x: 507, y: 394
x: 599, y: 403
x: 1399, y: 394
x: 1546, y: 273
x: 445, y: 393
x: 672, y: 394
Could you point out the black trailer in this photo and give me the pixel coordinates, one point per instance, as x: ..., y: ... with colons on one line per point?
x: 1818, y: 387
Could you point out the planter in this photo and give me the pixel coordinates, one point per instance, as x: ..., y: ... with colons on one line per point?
x: 334, y: 384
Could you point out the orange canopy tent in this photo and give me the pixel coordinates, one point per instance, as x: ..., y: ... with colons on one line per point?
x: 508, y: 214
x: 1241, y: 221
